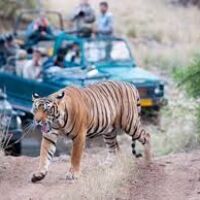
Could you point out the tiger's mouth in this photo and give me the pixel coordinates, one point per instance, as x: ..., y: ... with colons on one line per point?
x: 45, y: 127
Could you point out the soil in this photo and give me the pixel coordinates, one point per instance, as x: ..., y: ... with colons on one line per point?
x: 173, y: 177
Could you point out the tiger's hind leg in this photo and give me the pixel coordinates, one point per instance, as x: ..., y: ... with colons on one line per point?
x: 111, y: 142
x: 145, y: 139
x: 112, y: 145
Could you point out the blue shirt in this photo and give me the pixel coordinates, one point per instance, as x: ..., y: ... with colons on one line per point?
x: 105, y: 24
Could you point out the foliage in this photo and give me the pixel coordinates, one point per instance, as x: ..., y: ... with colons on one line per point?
x: 189, y: 77
x: 9, y: 8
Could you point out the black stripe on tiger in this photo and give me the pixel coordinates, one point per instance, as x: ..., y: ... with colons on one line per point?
x: 97, y: 124
x: 65, y: 118
x: 52, y: 142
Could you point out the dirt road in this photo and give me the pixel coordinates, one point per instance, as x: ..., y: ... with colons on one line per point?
x: 175, y: 177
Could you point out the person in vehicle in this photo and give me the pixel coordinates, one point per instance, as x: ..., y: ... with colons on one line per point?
x: 32, y: 68
x: 67, y: 55
x: 104, y: 21
x: 11, y: 51
x: 11, y: 47
x: 57, y: 60
x: 83, y: 16
x: 60, y: 58
x: 73, y: 54
x: 2, y: 52
x: 38, y: 30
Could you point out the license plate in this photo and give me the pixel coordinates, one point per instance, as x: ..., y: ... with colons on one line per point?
x: 146, y: 102
x: 50, y: 51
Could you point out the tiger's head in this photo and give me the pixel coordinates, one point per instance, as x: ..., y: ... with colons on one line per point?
x: 46, y: 110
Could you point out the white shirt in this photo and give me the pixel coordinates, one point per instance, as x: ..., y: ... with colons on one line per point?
x: 30, y: 71
x: 105, y: 24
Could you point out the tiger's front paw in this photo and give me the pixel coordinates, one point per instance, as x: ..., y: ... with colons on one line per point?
x: 38, y: 176
x: 72, y: 174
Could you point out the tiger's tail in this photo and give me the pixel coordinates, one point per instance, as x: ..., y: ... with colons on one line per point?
x: 137, y: 155
x: 141, y: 135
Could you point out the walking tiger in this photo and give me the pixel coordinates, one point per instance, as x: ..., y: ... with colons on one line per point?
x: 100, y: 108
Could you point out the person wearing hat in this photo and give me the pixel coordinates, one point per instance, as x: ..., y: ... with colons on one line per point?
x: 32, y: 69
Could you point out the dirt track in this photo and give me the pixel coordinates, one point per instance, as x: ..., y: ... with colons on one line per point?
x: 175, y: 177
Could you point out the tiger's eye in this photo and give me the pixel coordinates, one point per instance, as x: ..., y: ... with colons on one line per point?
x: 52, y: 110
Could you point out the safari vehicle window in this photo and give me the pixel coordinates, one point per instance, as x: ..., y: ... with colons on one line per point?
x: 101, y: 51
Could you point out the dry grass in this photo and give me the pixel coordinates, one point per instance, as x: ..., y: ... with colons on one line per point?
x: 102, y: 182
x: 178, y: 131
x: 164, y: 36
x: 2, y: 137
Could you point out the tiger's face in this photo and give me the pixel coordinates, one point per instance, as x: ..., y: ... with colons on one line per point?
x: 46, y: 112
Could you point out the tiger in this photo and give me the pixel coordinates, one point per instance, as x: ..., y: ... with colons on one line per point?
x: 80, y: 113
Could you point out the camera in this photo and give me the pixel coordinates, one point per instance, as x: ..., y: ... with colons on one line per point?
x: 80, y: 14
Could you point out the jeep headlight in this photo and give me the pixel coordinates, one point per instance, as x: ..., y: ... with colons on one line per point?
x: 159, y: 89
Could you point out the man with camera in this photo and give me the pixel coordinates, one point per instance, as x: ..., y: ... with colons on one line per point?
x: 38, y: 30
x: 83, y: 16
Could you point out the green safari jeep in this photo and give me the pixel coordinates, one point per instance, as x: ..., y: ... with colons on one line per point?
x: 109, y: 55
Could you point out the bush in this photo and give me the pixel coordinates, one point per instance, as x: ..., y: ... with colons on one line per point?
x: 189, y: 77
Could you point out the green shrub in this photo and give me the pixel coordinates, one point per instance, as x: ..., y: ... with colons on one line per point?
x: 189, y: 77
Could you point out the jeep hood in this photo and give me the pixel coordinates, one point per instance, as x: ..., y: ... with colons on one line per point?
x: 130, y: 74
x: 73, y: 76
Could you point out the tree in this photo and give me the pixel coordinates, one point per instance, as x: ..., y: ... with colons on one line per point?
x: 189, y: 78
x: 9, y: 8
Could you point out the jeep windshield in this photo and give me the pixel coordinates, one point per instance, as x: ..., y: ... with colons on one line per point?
x: 106, y: 51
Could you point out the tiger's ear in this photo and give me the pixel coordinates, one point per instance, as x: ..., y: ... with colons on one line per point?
x: 35, y: 96
x: 60, y: 96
